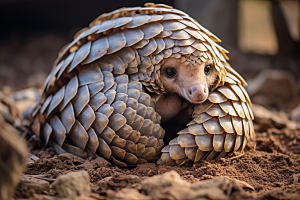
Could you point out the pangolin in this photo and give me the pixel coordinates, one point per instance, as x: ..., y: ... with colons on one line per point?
x: 100, y: 96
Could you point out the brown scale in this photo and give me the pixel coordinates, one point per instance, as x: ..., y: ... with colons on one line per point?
x: 99, y: 98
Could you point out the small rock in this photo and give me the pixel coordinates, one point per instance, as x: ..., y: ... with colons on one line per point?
x: 103, y: 182
x: 167, y: 179
x: 72, y: 184
x: 34, y: 184
x: 127, y: 193
x: 119, y: 181
x: 171, y: 186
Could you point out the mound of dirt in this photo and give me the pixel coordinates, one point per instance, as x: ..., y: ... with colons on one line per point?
x: 271, y: 164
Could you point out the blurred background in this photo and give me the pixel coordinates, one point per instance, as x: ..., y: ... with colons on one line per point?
x: 261, y: 35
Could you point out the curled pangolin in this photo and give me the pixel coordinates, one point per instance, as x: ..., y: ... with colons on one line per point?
x: 100, y: 97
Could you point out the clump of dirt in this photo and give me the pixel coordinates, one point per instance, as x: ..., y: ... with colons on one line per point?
x: 271, y: 164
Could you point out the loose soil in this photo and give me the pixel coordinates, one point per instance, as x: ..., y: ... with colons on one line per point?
x: 271, y: 164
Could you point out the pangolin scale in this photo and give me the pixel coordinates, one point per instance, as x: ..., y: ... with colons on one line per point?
x: 96, y: 99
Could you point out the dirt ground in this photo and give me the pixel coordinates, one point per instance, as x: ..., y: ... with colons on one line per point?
x: 271, y: 164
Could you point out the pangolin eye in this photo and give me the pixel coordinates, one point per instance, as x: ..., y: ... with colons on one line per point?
x: 207, y: 69
x: 170, y: 72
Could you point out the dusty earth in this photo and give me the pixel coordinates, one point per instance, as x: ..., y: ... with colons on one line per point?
x: 271, y: 164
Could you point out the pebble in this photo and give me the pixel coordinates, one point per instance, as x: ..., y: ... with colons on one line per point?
x: 37, y: 185
x: 72, y: 184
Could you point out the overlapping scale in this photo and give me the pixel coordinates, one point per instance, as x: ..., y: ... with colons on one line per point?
x: 98, y: 49
x: 96, y: 99
x: 220, y: 125
x: 108, y: 124
x: 80, y: 55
